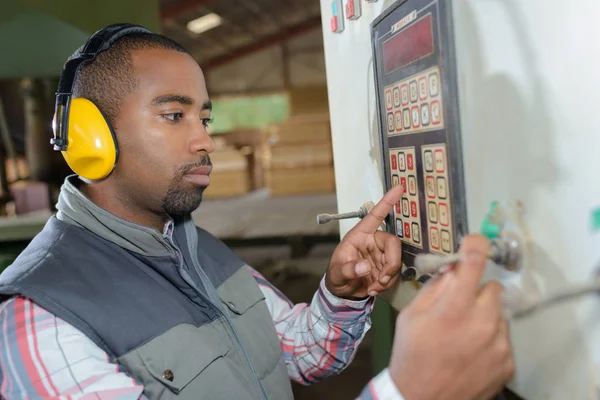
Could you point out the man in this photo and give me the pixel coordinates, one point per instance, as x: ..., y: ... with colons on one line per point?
x: 122, y: 297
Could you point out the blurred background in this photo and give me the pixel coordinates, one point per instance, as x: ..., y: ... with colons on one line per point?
x: 273, y: 168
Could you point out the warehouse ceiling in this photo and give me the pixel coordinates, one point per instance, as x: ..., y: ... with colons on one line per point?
x: 246, y: 25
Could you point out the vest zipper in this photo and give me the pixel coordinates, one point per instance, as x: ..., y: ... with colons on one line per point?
x: 215, y: 301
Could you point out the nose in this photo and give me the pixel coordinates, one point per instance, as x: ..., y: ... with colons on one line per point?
x: 200, y: 140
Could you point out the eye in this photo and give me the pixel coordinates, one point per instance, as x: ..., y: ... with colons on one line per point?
x: 206, y: 121
x: 173, y: 117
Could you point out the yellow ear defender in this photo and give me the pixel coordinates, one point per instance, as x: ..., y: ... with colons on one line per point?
x: 81, y: 131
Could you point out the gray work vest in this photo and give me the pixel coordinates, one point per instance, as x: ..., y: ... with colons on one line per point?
x: 181, y: 330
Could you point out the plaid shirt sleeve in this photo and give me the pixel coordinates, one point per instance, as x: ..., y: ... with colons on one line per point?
x: 42, y: 356
x: 321, y: 339
x: 318, y: 339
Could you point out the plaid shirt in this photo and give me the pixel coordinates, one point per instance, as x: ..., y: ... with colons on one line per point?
x: 42, y: 356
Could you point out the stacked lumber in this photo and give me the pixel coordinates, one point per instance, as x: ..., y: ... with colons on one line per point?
x: 300, y: 159
x: 229, y: 177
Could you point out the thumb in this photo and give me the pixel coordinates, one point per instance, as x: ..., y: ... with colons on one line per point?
x: 432, y: 291
x: 349, y: 271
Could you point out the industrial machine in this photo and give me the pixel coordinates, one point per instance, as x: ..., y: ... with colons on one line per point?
x: 415, y: 77
x: 483, y: 111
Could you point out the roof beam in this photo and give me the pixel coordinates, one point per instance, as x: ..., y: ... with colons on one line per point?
x: 268, y: 41
x: 180, y: 8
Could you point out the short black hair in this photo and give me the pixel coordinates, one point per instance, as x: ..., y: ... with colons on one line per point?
x: 108, y: 78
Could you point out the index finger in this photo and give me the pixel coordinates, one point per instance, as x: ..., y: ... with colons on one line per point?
x: 373, y: 219
x: 469, y: 271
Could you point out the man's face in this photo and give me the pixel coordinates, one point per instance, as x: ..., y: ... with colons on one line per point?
x: 161, y: 129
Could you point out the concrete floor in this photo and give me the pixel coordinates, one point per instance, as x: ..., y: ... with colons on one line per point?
x: 299, y: 279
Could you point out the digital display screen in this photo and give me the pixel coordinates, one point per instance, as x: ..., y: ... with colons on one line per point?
x: 413, y: 43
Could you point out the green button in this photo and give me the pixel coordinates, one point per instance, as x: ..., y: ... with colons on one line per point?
x: 489, y: 229
x: 596, y: 219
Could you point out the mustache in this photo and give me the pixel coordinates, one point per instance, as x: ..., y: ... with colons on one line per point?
x: 203, y: 162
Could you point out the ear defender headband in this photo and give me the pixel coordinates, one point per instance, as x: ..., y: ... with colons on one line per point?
x: 81, y: 132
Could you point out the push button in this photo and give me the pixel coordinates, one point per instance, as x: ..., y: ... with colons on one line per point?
x: 388, y: 99
x: 416, y: 232
x: 425, y: 114
x: 434, y: 238
x: 398, y: 115
x: 406, y: 118
x: 432, y: 212
x: 405, y: 208
x: 446, y: 241
x: 410, y: 162
x: 402, y: 161
x: 441, y: 187
x: 444, y: 220
x: 430, y: 186
x: 404, y: 93
x: 390, y: 118
x: 394, y: 162
x: 423, y: 88
x: 399, y: 230
x: 415, y: 117
x: 434, y: 89
x: 435, y: 112
x: 428, y: 161
x: 407, y: 230
x: 413, y: 209
x: 412, y: 185
x: 396, y: 97
x: 440, y: 162
x: 414, y: 96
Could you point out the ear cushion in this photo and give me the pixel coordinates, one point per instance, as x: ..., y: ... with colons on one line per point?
x: 92, y: 148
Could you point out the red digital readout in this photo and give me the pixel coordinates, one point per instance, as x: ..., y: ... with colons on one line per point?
x: 413, y: 43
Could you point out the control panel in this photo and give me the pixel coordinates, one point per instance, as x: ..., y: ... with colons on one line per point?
x: 417, y: 98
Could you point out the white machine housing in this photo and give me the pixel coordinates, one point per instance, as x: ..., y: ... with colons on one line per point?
x: 529, y: 90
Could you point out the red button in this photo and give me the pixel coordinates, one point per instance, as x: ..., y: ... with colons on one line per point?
x: 334, y: 24
x: 397, y: 206
x: 413, y: 209
x: 350, y: 9
x: 410, y: 161
x: 406, y: 230
x: 403, y: 183
x: 394, y: 162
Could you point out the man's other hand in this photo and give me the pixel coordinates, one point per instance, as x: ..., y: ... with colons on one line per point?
x: 368, y: 260
x: 452, y: 341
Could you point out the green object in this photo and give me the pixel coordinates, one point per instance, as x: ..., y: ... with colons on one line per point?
x: 383, y: 335
x: 490, y: 229
x: 596, y: 219
x: 248, y: 112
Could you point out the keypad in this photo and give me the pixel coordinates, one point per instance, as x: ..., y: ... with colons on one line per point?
x: 437, y: 194
x: 407, y: 213
x: 415, y: 104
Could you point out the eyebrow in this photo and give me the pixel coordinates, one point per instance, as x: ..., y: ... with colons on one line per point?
x: 172, y: 98
x: 178, y: 98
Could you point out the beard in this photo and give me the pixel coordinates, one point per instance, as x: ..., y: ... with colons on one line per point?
x: 182, y: 197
